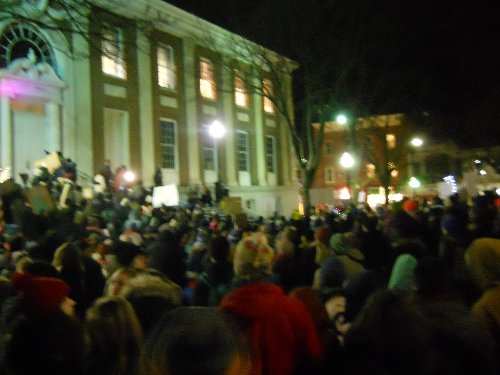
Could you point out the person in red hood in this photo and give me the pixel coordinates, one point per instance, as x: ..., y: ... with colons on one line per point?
x: 280, y: 330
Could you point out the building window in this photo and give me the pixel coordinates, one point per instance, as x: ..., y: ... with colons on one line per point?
x: 329, y: 175
x: 242, y: 150
x: 270, y: 154
x: 328, y: 148
x: 113, y: 62
x: 209, y: 150
x: 166, y: 67
x: 22, y: 41
x: 167, y: 143
x: 370, y: 170
x: 391, y: 141
x: 208, y: 86
x: 267, y: 88
x: 240, y: 90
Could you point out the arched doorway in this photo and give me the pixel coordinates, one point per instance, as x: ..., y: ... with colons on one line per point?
x: 30, y: 99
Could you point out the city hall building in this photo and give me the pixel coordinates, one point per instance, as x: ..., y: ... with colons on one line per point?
x: 137, y: 83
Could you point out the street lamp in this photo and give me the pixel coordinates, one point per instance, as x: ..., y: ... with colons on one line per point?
x: 217, y: 130
x: 414, y: 183
x: 341, y: 119
x: 347, y: 162
x: 417, y: 142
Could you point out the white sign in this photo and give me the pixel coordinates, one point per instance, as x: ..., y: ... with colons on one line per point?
x: 167, y: 195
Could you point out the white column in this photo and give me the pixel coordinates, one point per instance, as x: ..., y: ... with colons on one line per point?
x: 5, y: 133
x: 53, y: 118
x: 260, y: 151
x: 146, y: 120
x: 192, y: 126
x: 286, y: 157
x: 81, y: 106
x: 228, y: 140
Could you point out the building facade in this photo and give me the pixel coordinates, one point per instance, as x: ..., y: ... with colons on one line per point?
x: 137, y: 83
x: 379, y: 147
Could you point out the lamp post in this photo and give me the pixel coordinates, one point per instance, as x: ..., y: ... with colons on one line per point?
x: 415, y: 142
x: 348, y: 158
x: 347, y: 162
x: 414, y: 183
x: 217, y: 130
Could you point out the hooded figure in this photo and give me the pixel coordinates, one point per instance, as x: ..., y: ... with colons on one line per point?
x: 483, y: 260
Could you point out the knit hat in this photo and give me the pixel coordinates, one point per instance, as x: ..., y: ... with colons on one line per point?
x: 40, y: 295
x: 253, y: 256
x: 410, y: 205
x: 339, y: 244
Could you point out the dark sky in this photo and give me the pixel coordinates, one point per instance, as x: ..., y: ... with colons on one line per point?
x: 442, y: 57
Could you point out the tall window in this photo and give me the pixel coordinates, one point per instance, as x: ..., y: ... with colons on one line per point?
x: 166, y: 67
x: 242, y: 149
x: 208, y: 85
x: 113, y: 62
x: 167, y: 143
x: 209, y: 150
x: 370, y: 170
x: 328, y: 148
x: 329, y: 175
x: 267, y: 87
x: 270, y: 154
x: 240, y: 90
x: 391, y: 141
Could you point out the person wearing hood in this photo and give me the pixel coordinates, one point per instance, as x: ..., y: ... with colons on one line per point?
x: 280, y: 330
x: 483, y: 259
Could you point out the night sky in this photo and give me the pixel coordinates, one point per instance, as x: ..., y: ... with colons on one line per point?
x: 438, y: 57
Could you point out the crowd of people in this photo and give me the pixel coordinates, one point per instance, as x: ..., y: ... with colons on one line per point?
x: 115, y: 286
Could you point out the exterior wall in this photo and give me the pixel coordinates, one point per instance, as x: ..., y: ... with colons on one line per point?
x: 88, y: 93
x: 370, y: 136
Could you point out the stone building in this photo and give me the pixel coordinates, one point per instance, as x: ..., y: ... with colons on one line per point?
x: 137, y: 83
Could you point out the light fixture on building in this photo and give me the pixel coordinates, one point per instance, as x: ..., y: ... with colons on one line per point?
x: 216, y: 129
x: 346, y: 160
x: 414, y: 183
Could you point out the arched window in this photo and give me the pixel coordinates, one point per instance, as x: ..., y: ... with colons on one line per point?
x: 22, y: 41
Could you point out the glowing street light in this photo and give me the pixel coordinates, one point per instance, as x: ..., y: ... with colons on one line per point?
x: 216, y: 129
x: 417, y: 142
x: 414, y: 183
x: 341, y: 119
x: 346, y: 160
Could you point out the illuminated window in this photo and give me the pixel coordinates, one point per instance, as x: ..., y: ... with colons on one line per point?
x: 329, y: 175
x: 391, y: 140
x: 267, y: 87
x: 208, y: 86
x: 370, y: 170
x: 328, y: 148
x: 166, y: 67
x: 270, y: 154
x: 112, y: 59
x: 240, y: 91
x: 242, y: 149
x: 167, y: 143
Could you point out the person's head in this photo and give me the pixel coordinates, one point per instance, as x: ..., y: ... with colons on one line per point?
x: 151, y: 296
x: 42, y: 296
x: 253, y: 257
x: 119, y: 279
x: 334, y: 301
x: 195, y: 340
x: 114, y: 331
x: 483, y: 259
